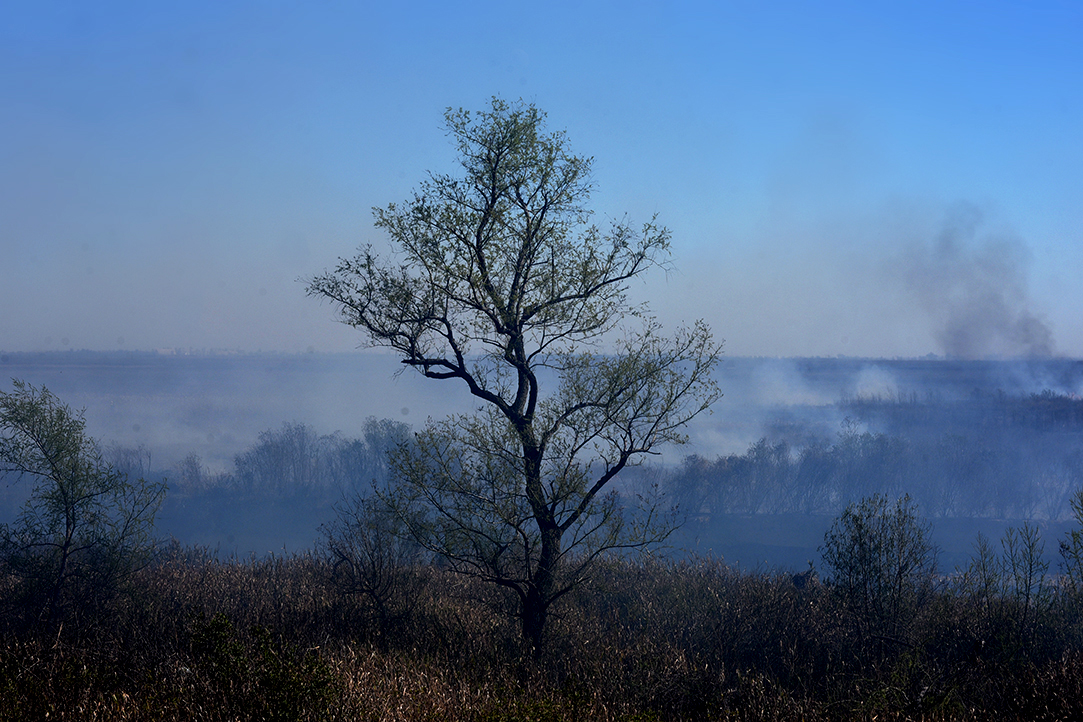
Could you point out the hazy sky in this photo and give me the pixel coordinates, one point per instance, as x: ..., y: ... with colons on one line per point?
x: 878, y: 179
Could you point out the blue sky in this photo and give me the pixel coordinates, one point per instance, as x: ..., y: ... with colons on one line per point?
x: 873, y: 179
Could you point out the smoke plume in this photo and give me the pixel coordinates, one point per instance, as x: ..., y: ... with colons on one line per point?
x: 973, y: 287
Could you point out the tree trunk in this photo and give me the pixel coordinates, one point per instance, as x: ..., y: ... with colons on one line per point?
x: 539, y: 594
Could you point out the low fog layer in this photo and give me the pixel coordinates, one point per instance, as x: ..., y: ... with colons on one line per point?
x: 216, y: 405
x: 258, y: 448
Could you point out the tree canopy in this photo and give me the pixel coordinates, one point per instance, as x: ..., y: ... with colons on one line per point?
x: 500, y: 280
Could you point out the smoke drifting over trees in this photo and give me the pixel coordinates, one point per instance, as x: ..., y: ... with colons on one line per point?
x: 991, y: 439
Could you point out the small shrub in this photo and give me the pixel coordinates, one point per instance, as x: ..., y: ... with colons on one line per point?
x: 1071, y: 548
x: 370, y: 554
x: 882, y: 563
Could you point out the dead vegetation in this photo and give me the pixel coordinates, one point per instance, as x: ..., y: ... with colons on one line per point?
x: 196, y: 638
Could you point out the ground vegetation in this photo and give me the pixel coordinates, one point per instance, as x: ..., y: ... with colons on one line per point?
x: 275, y: 638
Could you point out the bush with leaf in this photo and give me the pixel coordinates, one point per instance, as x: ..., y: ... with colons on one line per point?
x: 881, y: 562
x: 86, y: 525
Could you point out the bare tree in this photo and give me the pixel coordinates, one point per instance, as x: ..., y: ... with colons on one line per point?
x: 371, y: 555
x: 1071, y: 547
x: 502, y: 283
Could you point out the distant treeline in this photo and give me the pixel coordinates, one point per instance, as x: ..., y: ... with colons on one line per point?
x: 994, y: 455
x: 914, y: 414
x: 292, y: 460
x: 295, y: 460
x: 278, y: 492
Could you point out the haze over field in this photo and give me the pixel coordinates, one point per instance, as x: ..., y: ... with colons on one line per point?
x: 840, y: 178
x: 976, y: 441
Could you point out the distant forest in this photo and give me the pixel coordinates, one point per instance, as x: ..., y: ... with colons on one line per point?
x: 993, y: 455
x: 972, y: 439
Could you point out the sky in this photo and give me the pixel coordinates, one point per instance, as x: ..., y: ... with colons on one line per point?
x: 863, y: 179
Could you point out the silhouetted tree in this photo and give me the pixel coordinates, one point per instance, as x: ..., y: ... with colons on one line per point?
x: 501, y: 282
x: 371, y: 554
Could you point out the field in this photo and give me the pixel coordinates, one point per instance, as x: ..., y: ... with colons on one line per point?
x: 194, y: 638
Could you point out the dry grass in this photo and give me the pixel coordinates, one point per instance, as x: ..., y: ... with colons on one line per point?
x: 271, y: 639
